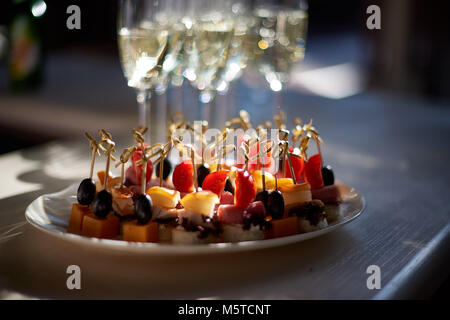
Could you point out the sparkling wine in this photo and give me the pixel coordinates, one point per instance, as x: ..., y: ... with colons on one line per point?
x: 208, y: 51
x: 149, y: 54
x: 277, y: 42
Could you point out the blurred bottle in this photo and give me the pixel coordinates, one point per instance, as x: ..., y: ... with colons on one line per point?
x: 26, y: 63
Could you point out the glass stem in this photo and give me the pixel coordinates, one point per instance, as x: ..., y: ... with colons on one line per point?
x: 278, y: 101
x: 221, y: 109
x: 178, y: 93
x: 143, y: 100
x: 206, y: 97
x: 206, y: 111
x: 160, y: 118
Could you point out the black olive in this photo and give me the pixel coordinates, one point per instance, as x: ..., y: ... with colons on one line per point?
x: 86, y: 192
x: 328, y: 176
x: 167, y: 169
x: 276, y: 204
x: 143, y: 208
x: 102, y: 204
x: 202, y: 172
x: 263, y: 196
x: 229, y: 186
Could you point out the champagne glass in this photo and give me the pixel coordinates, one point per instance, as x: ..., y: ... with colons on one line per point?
x: 237, y: 53
x: 207, y: 47
x: 147, y: 40
x: 277, y: 40
x: 236, y: 62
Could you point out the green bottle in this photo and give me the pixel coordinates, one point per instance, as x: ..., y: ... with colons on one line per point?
x: 26, y: 62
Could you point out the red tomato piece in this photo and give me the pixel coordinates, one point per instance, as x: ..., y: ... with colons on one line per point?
x: 183, y: 176
x: 256, y: 165
x: 313, y: 172
x: 215, y: 181
x: 245, y: 189
x: 298, y: 164
x: 137, y: 155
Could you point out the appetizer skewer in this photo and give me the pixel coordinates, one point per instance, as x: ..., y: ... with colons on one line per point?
x: 86, y: 190
x: 197, y: 218
x: 101, y: 222
x: 209, y: 198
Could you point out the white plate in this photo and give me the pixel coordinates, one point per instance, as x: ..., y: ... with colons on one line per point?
x: 51, y: 212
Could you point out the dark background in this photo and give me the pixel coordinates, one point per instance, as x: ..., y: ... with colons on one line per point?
x: 409, y: 56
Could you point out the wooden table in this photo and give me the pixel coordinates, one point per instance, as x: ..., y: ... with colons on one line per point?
x: 393, y: 150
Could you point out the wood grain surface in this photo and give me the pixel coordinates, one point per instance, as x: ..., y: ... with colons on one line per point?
x: 393, y: 150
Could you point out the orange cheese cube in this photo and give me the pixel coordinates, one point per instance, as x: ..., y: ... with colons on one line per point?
x: 76, y: 218
x: 132, y: 231
x: 101, y: 176
x: 283, y: 227
x: 104, y: 228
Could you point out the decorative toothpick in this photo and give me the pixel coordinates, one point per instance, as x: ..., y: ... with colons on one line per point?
x: 304, y: 134
x: 216, y: 146
x: 222, y: 152
x: 263, y: 151
x: 164, y: 152
x: 95, y: 150
x: 138, y: 135
x: 194, y: 169
x: 108, y: 150
x: 286, y: 152
x: 144, y: 169
x: 297, y: 131
x: 280, y: 120
x: 283, y: 135
x: 242, y: 121
x: 245, y: 119
x: 244, y: 150
x: 279, y: 151
x: 124, y: 157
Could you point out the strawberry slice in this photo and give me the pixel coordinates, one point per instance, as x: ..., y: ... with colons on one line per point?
x: 183, y: 176
x: 215, y: 181
x: 245, y: 189
x: 137, y: 155
x: 313, y: 172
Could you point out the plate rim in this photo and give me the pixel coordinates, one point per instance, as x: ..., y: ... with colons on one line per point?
x: 180, y: 250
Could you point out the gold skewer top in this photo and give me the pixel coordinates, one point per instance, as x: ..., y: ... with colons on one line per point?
x: 243, y: 121
x: 280, y: 120
x: 126, y: 155
x: 106, y: 138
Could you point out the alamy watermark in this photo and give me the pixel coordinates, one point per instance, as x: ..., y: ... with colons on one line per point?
x: 74, y: 280
x: 74, y: 20
x: 374, y: 280
x: 374, y: 20
x: 264, y: 146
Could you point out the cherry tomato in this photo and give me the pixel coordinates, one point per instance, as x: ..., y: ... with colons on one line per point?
x: 298, y: 164
x: 313, y: 172
x: 182, y: 177
x: 215, y: 181
x: 137, y: 155
x: 245, y: 189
